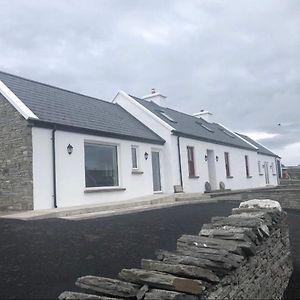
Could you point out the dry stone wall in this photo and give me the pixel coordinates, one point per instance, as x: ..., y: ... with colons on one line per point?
x: 16, y: 187
x: 243, y: 256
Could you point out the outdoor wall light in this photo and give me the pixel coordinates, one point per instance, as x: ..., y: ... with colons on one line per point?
x: 217, y: 158
x: 206, y: 158
x: 70, y: 149
x: 146, y: 155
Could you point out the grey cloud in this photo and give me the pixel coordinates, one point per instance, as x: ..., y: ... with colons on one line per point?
x: 238, y: 59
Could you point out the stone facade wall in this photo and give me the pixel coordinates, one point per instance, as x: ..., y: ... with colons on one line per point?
x: 16, y: 186
x: 243, y: 256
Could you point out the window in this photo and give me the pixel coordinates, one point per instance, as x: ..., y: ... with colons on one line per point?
x: 247, y: 165
x: 191, y: 162
x: 259, y: 167
x: 134, y: 157
x: 227, y: 164
x: 227, y: 133
x: 166, y: 116
x: 101, y: 165
x: 204, y: 126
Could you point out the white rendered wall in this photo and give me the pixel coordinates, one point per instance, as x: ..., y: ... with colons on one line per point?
x: 70, y: 170
x: 273, y: 176
x: 239, y: 179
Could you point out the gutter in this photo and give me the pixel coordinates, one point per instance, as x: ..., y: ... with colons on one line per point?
x: 54, y: 167
x: 179, y: 160
x: 70, y: 128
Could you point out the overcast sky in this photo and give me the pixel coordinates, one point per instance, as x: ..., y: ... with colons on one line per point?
x: 238, y: 59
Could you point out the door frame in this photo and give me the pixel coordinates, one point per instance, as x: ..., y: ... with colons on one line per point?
x: 211, y: 167
x: 159, y: 151
x: 267, y: 173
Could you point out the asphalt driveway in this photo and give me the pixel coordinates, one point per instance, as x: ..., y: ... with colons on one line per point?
x: 40, y: 259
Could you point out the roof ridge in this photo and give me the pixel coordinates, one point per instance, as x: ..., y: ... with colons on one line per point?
x: 52, y: 86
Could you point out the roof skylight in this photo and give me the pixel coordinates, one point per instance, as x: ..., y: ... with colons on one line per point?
x: 204, y: 126
x: 227, y: 133
x: 167, y: 116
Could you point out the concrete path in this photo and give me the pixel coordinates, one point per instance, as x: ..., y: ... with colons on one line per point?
x: 112, y: 208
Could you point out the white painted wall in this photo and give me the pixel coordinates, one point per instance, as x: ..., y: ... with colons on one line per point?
x: 273, y: 176
x: 70, y: 170
x: 237, y: 166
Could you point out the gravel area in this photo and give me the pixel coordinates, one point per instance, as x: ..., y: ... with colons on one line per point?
x: 40, y: 259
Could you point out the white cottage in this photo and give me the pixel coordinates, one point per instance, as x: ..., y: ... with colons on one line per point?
x: 202, y: 155
x: 59, y: 148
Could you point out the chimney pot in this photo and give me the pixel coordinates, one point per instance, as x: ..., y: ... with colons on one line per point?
x: 153, y: 91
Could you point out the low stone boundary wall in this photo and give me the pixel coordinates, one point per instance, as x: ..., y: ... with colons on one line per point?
x: 287, y: 197
x: 243, y: 256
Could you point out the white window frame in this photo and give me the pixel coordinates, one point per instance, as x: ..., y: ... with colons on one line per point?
x: 104, y: 143
x: 137, y: 157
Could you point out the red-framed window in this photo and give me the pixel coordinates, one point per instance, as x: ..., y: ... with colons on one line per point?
x: 247, y: 166
x: 191, y: 161
x: 227, y: 164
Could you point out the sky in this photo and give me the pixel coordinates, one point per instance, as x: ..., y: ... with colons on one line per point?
x: 238, y: 59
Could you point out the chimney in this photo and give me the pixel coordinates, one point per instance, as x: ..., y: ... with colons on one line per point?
x: 155, y: 97
x: 204, y: 114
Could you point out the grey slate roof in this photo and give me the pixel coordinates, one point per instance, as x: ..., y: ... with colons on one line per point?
x: 190, y: 126
x: 59, y: 106
x: 261, y: 148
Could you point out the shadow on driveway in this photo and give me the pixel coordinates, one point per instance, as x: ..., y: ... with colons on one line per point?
x: 41, y: 259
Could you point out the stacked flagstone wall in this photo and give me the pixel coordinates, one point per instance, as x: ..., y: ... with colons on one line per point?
x: 243, y: 256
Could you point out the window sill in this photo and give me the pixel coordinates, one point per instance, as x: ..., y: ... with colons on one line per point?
x: 104, y: 189
x: 137, y: 172
x: 193, y: 177
x: 249, y: 177
x: 229, y: 177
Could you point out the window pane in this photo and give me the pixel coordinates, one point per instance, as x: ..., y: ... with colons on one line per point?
x: 247, y: 166
x: 101, y: 165
x: 227, y: 166
x: 134, y: 157
x: 191, y: 163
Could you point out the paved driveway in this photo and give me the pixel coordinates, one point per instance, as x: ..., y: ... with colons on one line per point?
x: 40, y: 259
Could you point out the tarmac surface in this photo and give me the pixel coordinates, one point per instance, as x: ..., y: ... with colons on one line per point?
x: 40, y: 259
